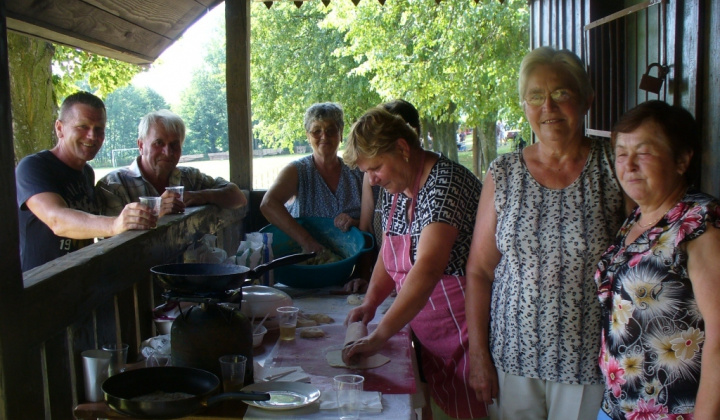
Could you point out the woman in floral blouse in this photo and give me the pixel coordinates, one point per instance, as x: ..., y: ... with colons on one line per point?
x: 659, y: 283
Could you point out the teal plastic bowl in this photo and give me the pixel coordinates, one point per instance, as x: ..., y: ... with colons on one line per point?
x: 348, y: 245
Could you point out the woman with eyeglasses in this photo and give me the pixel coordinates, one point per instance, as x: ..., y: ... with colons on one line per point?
x: 546, y: 214
x: 319, y: 185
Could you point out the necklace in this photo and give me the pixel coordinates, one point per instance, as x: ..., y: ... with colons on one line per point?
x: 654, y: 222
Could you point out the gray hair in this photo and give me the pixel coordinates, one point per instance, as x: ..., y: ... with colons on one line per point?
x: 559, y: 59
x: 325, y: 111
x: 171, y: 122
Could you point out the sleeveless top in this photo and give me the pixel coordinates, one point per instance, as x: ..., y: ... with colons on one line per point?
x: 314, y: 198
x: 545, y: 317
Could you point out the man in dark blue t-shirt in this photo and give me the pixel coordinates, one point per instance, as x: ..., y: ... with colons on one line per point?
x: 57, y: 210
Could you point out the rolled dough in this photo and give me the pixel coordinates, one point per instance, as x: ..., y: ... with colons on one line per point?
x: 334, y: 358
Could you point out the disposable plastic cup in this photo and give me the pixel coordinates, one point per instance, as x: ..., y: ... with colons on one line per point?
x: 95, y: 368
x: 118, y: 357
x: 349, y: 389
x: 287, y: 321
x: 232, y: 367
x: 152, y: 202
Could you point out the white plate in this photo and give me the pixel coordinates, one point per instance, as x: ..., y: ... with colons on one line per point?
x: 284, y: 395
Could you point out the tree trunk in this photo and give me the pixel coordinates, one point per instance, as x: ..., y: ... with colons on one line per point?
x: 478, y: 155
x: 487, y: 143
x: 444, y: 140
x: 33, y: 104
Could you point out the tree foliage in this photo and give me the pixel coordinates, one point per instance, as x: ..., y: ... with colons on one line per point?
x: 456, y: 61
x: 295, y: 63
x: 125, y: 107
x: 203, y: 105
x: 75, y: 69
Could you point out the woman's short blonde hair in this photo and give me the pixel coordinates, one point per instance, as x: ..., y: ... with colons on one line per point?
x: 559, y: 59
x: 376, y: 133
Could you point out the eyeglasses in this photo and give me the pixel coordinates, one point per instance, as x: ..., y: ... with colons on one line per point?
x: 558, y: 96
x: 329, y: 132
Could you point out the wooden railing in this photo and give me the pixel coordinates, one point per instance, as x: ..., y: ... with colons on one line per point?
x: 101, y: 293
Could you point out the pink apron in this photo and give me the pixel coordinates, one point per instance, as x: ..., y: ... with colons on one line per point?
x: 440, y: 326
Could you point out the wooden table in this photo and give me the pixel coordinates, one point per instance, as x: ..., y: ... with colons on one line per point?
x: 399, y: 406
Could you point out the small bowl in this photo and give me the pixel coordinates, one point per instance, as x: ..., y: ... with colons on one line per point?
x: 163, y: 325
x: 259, y: 335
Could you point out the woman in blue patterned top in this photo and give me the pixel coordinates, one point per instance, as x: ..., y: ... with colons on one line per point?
x: 659, y: 282
x: 319, y: 185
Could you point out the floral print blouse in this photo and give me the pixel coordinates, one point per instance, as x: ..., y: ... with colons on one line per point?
x: 652, y: 329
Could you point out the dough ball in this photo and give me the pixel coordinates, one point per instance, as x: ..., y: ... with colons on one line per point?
x: 312, y: 333
x: 303, y: 322
x: 320, y: 318
x: 355, y: 300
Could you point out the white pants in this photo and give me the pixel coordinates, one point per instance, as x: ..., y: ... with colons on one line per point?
x: 523, y: 398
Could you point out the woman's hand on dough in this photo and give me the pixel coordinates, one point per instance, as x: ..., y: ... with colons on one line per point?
x: 366, y: 346
x: 357, y: 285
x: 343, y: 221
x: 364, y: 313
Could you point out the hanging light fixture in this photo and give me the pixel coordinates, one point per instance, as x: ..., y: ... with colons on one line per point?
x: 269, y: 4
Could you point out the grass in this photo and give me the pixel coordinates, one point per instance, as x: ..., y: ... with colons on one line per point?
x: 266, y: 168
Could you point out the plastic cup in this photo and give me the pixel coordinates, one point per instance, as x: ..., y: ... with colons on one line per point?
x: 287, y: 321
x: 349, y: 389
x: 152, y: 202
x: 179, y: 189
x: 232, y: 367
x: 118, y: 357
x: 95, y: 368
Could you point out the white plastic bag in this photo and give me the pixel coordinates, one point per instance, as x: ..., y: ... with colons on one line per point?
x: 256, y: 249
x: 205, y: 251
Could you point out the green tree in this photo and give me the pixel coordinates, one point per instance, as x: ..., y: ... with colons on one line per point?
x: 42, y: 74
x: 295, y: 63
x: 125, y: 107
x: 33, y: 104
x: 203, y: 105
x: 76, y: 69
x: 456, y: 61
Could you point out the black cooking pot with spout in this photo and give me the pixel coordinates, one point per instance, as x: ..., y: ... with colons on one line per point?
x: 194, y: 278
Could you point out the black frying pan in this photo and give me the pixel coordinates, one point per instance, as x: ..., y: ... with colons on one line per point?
x: 120, y: 389
x: 208, y: 277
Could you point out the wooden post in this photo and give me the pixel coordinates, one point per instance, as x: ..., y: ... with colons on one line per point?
x: 237, y: 32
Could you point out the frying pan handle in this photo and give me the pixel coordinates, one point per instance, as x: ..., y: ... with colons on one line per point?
x: 245, y: 396
x: 277, y: 262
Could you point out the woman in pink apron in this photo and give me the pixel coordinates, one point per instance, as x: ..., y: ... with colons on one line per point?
x: 428, y: 219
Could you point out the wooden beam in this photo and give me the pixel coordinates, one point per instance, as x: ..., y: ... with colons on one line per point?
x: 77, y: 23
x: 237, y: 27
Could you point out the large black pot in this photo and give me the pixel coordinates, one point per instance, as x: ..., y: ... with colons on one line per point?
x: 193, y: 278
x: 120, y: 389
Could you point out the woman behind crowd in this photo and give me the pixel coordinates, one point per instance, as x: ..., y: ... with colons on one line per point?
x: 428, y: 218
x: 546, y: 214
x: 320, y: 185
x: 659, y: 282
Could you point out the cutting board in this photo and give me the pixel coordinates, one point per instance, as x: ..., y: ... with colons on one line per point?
x: 395, y: 377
